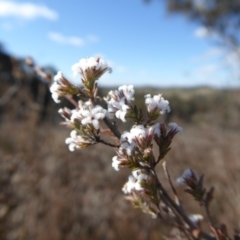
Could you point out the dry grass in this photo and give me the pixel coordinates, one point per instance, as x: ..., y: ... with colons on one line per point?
x: 46, y: 192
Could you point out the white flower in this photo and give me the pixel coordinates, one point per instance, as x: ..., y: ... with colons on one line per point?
x: 115, y: 163
x: 127, y: 143
x: 88, y: 114
x: 175, y: 127
x: 154, y: 130
x: 128, y: 91
x: 118, y: 101
x: 157, y: 103
x: 135, y: 181
x: 54, y: 89
x: 186, y: 174
x: 121, y: 113
x: 77, y: 141
x: 138, y: 131
x: 61, y: 86
x: 91, y: 68
x: 140, y: 175
x: 130, y: 185
x: 138, y: 136
x: 196, y: 219
x: 126, y: 147
x: 58, y: 77
x: 72, y: 141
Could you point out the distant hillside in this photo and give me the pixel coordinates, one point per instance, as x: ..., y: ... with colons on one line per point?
x: 196, y: 105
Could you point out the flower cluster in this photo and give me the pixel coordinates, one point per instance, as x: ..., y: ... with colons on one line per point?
x: 119, y: 101
x: 85, y: 114
x: 85, y: 120
x: 134, y: 148
x: 156, y: 105
x: 79, y: 141
x: 90, y: 69
x: 135, y: 181
x: 136, y: 144
x: 88, y: 114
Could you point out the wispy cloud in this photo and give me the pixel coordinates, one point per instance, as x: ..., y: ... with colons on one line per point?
x: 202, y: 32
x: 26, y: 10
x: 207, y: 70
x: 92, y: 38
x: 72, y: 40
x: 226, y: 58
x: 211, y: 54
x: 69, y: 40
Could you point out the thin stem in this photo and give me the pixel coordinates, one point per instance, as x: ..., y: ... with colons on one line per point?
x: 179, y: 210
x: 72, y: 101
x: 113, y: 127
x: 99, y: 140
x: 177, y: 200
x: 175, y: 225
x: 158, y: 160
x: 208, y: 214
x: 173, y: 204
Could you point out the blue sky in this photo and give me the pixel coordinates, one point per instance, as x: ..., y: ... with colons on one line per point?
x: 141, y: 42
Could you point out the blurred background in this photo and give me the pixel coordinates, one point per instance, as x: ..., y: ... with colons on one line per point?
x: 188, y: 50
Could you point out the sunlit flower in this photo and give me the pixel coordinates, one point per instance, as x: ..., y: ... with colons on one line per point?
x: 119, y: 101
x: 175, y: 127
x: 140, y: 174
x: 91, y: 69
x: 115, y: 163
x: 196, y: 219
x: 138, y: 136
x: 61, y: 87
x: 129, y: 185
x: 135, y: 181
x: 156, y: 104
x: 77, y: 141
x: 89, y: 114
x: 127, y: 91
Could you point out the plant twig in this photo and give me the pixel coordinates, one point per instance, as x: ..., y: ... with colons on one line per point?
x: 180, y: 210
x: 177, y: 200
x: 113, y: 127
x: 72, y: 101
x: 99, y: 140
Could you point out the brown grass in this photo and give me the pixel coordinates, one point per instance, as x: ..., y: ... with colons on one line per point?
x: 47, y: 192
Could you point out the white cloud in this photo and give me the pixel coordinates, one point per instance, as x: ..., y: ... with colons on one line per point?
x: 92, y: 38
x: 26, y: 10
x: 72, y: 40
x: 226, y: 60
x: 233, y: 58
x: 212, y: 54
x: 207, y: 70
x: 202, y: 32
